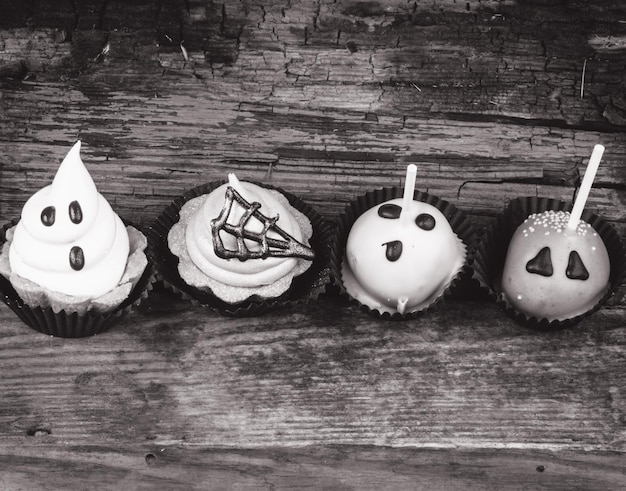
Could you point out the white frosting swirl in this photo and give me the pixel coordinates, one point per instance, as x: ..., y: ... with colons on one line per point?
x: 69, y: 239
x: 250, y: 273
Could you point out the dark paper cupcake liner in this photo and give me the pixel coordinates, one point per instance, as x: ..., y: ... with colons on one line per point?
x: 355, y: 208
x: 304, y: 288
x: 72, y: 324
x: 487, y: 260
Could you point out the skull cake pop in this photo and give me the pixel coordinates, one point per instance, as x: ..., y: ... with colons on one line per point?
x: 69, y: 240
x: 401, y: 254
x: 557, y: 266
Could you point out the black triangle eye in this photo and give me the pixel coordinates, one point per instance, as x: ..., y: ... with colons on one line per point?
x: 541, y: 264
x: 425, y: 221
x: 390, y: 211
x: 575, y: 268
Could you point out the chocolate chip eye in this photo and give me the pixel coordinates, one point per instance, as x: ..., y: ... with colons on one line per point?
x: 48, y: 215
x: 541, y: 264
x: 390, y: 211
x: 76, y: 212
x: 77, y: 258
x: 393, y: 251
x: 575, y: 268
x: 425, y: 221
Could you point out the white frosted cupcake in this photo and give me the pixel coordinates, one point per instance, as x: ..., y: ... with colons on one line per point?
x: 241, y: 248
x: 71, y: 253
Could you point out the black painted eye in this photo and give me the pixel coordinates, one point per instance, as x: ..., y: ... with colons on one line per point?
x: 390, y: 211
x: 77, y: 258
x: 48, y: 215
x: 541, y: 264
x: 575, y: 268
x: 393, y: 251
x: 76, y: 212
x: 425, y: 221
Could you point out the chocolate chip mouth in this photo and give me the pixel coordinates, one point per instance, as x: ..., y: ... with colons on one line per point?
x: 393, y: 250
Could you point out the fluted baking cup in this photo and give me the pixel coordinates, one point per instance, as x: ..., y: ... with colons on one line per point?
x: 66, y: 323
x: 304, y: 288
x: 487, y: 261
x: 359, y: 205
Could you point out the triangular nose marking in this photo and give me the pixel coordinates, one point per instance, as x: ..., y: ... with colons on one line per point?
x: 575, y: 268
x: 541, y: 264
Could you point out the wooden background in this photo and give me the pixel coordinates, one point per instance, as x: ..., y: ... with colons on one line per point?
x: 327, y: 99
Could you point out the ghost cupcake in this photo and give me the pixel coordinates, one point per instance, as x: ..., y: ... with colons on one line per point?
x: 70, y: 266
x: 241, y: 248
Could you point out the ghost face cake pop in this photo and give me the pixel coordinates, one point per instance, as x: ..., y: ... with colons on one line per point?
x: 401, y: 255
x: 557, y: 266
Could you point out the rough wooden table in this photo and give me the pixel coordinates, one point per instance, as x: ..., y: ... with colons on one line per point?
x: 327, y: 99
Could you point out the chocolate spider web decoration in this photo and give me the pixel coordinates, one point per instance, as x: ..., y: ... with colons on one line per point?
x: 288, y: 246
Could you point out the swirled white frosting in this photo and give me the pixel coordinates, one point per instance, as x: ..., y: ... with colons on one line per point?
x: 69, y: 239
x: 231, y: 279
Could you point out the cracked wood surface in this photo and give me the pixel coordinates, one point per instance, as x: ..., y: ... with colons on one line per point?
x: 327, y: 99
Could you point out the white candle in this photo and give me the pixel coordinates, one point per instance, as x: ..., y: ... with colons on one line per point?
x: 585, y: 187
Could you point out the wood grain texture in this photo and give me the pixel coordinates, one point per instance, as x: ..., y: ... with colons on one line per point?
x: 178, y: 397
x: 176, y: 374
x: 474, y: 93
x: 491, y: 99
x: 336, y: 467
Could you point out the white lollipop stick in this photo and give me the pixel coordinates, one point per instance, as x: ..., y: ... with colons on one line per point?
x: 409, y: 188
x: 585, y: 187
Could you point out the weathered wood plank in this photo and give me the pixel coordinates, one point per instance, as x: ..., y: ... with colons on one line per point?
x: 149, y: 466
x: 323, y: 374
x: 154, y: 148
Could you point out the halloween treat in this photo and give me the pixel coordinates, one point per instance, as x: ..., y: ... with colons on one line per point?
x: 240, y: 241
x: 553, y: 273
x: 70, y: 251
x: 401, y: 255
x: 557, y: 266
x: 69, y: 240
